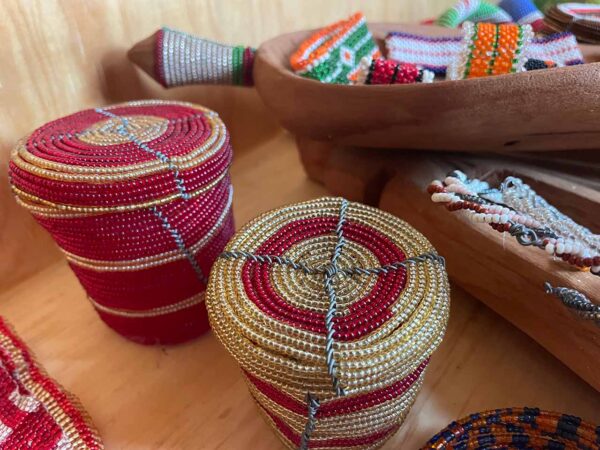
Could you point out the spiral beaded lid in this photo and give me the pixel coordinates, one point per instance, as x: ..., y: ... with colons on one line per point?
x: 120, y: 158
x: 138, y: 197
x: 334, y: 304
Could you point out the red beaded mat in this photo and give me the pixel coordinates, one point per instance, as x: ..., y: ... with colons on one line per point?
x: 332, y: 309
x: 138, y: 197
x: 35, y: 412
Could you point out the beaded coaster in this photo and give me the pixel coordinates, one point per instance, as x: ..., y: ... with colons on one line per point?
x: 387, y: 71
x: 473, y: 11
x: 437, y: 53
x: 181, y: 58
x: 516, y: 208
x: 490, y: 49
x: 333, y: 54
x: 517, y: 428
x: 35, y: 411
x: 138, y: 197
x: 332, y: 309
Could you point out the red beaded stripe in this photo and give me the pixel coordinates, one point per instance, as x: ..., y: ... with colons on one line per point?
x: 332, y: 443
x: 364, y: 316
x: 340, y: 405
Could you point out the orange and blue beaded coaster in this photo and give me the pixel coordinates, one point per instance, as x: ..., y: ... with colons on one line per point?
x: 36, y: 412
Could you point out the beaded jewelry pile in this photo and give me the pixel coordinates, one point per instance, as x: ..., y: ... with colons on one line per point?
x: 138, y: 197
x: 437, y: 53
x: 515, y: 208
x: 35, y: 411
x: 517, y: 428
x: 181, y: 59
x: 332, y: 309
x: 333, y: 54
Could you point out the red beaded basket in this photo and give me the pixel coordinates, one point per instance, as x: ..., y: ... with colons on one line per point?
x: 332, y: 309
x: 138, y: 197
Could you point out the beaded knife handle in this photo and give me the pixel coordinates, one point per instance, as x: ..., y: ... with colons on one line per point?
x: 174, y: 58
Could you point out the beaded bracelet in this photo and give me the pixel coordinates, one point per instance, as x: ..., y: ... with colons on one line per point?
x: 517, y: 428
x: 332, y: 309
x: 516, y: 208
x: 473, y: 11
x: 35, y: 411
x: 437, y: 53
x: 386, y: 71
x: 138, y: 197
x: 333, y: 54
x: 181, y: 58
x: 524, y: 12
x: 490, y: 49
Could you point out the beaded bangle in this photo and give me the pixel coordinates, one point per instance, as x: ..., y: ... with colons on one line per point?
x: 516, y: 208
x: 181, y: 58
x: 473, y: 11
x: 332, y: 309
x: 386, y: 71
x: 517, y: 428
x: 437, y: 53
x: 35, y: 411
x: 524, y: 12
x: 332, y: 54
x: 490, y: 49
x: 138, y: 197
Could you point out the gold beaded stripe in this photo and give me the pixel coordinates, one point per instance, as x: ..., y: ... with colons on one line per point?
x: 152, y: 312
x: 357, y: 424
x: 294, y: 360
x: 39, y: 391
x: 154, y: 260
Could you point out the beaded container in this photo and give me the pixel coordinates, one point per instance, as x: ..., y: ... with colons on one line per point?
x: 333, y: 54
x: 332, y: 309
x: 517, y: 428
x: 138, y: 197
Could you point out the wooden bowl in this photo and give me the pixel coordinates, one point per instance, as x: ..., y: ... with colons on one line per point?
x: 554, y: 109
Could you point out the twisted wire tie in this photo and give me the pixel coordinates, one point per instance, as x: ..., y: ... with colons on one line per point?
x: 312, y: 404
x: 576, y: 301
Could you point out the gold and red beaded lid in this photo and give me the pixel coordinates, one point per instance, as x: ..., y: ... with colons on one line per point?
x: 270, y: 296
x: 122, y: 157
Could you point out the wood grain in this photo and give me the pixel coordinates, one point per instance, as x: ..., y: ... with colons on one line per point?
x: 491, y: 266
x: 193, y: 397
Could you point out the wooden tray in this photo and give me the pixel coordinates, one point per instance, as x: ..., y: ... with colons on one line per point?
x: 506, y: 276
x: 553, y: 109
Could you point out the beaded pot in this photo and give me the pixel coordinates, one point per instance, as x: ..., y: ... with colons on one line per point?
x: 332, y: 309
x: 138, y: 197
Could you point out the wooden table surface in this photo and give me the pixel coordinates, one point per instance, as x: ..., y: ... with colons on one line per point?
x: 192, y: 396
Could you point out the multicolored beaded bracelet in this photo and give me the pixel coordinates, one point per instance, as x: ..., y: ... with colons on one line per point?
x: 524, y: 12
x: 472, y: 11
x: 490, y: 49
x: 386, y: 71
x: 181, y: 59
x: 517, y: 428
x: 138, y: 197
x: 333, y: 54
x: 35, y: 411
x: 516, y: 208
x: 332, y: 309
x: 437, y: 53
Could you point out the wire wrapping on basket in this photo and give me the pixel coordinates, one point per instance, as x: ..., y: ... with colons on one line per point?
x: 321, y: 282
